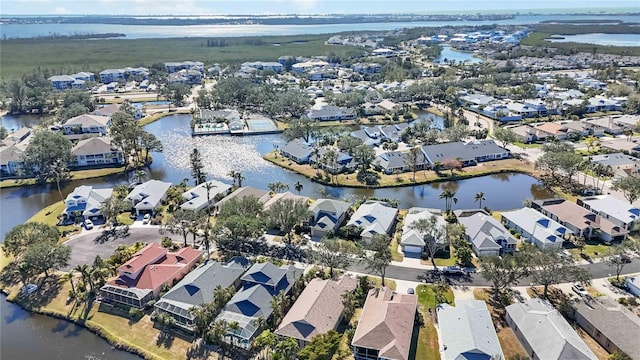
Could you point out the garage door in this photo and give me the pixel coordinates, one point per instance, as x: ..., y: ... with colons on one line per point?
x: 412, y: 250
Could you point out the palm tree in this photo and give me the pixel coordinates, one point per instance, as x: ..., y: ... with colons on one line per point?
x: 479, y: 198
x: 86, y: 276
x: 239, y: 177
x: 232, y: 175
x: 298, y: 186
x: 69, y: 277
x: 449, y: 199
x: 139, y: 175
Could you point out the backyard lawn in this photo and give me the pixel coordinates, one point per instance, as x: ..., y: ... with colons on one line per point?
x: 427, y: 343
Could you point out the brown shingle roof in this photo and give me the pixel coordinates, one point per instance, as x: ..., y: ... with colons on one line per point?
x: 94, y: 145
x: 582, y: 218
x: 386, y: 323
x: 318, y: 309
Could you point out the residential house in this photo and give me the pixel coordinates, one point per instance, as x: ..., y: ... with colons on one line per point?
x: 109, y: 110
x: 172, y: 67
x: 62, y: 82
x: 342, y: 161
x: 241, y: 193
x: 582, y: 222
x: 370, y: 136
x: 18, y: 137
x: 469, y: 154
x: 536, y: 228
x: 87, y: 124
x: 609, y: 124
x: 111, y: 75
x: 253, y: 302
x: 557, y: 131
x: 308, y: 65
x: 467, y: 332
x: 85, y: 202
x: 287, y: 195
x: 393, y: 132
x: 141, y: 279
x: 526, y: 133
x: 84, y: 76
x: 97, y: 151
x: 196, y: 289
x: 11, y: 159
x: 318, y: 310
x: 374, y: 217
x: 366, y: 68
x: 632, y: 283
x: 486, y: 235
x: 477, y: 99
x: 331, y: 113
x: 613, y: 326
x: 625, y: 145
x: 146, y: 197
x: 613, y: 209
x: 622, y: 164
x: 204, y: 195
x: 412, y: 242
x: 596, y: 104
x: 385, y: 327
x: 392, y: 162
x: 583, y: 128
x: 326, y: 216
x: 297, y: 150
x: 264, y: 65
x: 544, y: 333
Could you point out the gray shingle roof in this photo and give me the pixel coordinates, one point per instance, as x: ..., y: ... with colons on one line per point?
x: 466, y: 152
x: 484, y: 230
x: 374, y: 217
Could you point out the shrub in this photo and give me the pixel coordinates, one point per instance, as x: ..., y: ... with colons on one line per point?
x: 135, y: 314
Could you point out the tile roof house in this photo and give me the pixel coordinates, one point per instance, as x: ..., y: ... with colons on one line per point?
x: 149, y: 195
x: 318, y: 309
x: 141, y: 279
x: 467, y: 331
x: 86, y: 200
x: 240, y: 193
x: 613, y: 326
x: 580, y: 221
x: 619, y: 144
x: 469, y: 153
x: 259, y: 284
x: 385, y: 327
x: 544, y: 333
x: 613, y: 209
x: 197, y: 288
x: 536, y: 228
x: 373, y: 217
x: 87, y: 124
x: 327, y: 215
x: 297, y: 150
x: 411, y: 241
x: 486, y: 235
x: 97, y: 151
x: 196, y: 198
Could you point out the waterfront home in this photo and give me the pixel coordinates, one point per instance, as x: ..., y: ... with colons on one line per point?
x: 582, y: 222
x: 11, y: 159
x: 85, y: 202
x: 297, y: 150
x: 318, y: 310
x: 62, y: 82
x: 97, y: 151
x: 87, y: 124
x: 536, y: 228
x: 469, y: 154
x: 544, y: 333
x: 146, y: 197
x: 373, y: 217
x: 287, y: 195
x: 412, y: 242
x: 141, y: 279
x: 613, y: 326
x: 393, y: 132
x: 332, y: 113
x: 622, y: 164
x: 18, y: 137
x: 327, y: 215
x: 632, y: 283
x: 241, y: 193
x: 217, y: 116
x: 613, y: 209
x: 486, y: 235
x: 392, y: 162
x: 368, y: 137
x: 204, y: 195
x: 253, y: 302
x: 196, y: 289
x: 467, y: 332
x: 632, y: 146
x: 342, y: 161
x: 172, y: 67
x: 385, y: 327
x: 609, y: 124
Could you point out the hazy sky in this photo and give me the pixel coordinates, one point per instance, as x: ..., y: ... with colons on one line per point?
x: 199, y: 7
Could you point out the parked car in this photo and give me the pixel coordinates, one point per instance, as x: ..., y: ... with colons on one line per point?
x: 411, y: 291
x: 88, y: 224
x: 28, y: 289
x: 453, y: 270
x: 579, y: 289
x: 146, y: 218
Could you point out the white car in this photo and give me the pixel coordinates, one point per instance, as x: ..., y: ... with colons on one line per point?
x: 28, y: 289
x: 88, y: 224
x: 580, y: 290
x: 146, y: 219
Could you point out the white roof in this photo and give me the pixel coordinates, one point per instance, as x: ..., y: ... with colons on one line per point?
x: 613, y: 207
x: 374, y: 217
x: 149, y: 194
x: 540, y: 226
x: 196, y: 198
x: 412, y: 236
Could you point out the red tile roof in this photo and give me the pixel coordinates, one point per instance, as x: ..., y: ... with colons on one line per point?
x: 143, y: 258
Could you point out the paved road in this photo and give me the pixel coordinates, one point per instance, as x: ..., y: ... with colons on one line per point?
x: 85, y: 247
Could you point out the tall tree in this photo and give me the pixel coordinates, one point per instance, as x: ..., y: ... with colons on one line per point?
x: 298, y: 187
x: 479, y: 198
x: 629, y: 186
x: 380, y: 257
x: 504, y: 136
x: 617, y: 258
x: 549, y: 268
x: 179, y: 223
x: 434, y: 236
x: 48, y: 156
x: 112, y: 207
x: 197, y: 168
x: 302, y: 128
x: 43, y: 257
x: 23, y: 236
x: 449, y: 199
x: 413, y: 159
x: 329, y: 253
x: 149, y: 143
x: 505, y: 271
x: 286, y: 214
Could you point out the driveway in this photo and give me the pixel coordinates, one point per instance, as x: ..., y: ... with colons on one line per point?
x: 87, y: 245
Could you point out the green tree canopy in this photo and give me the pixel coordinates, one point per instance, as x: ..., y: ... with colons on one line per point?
x: 21, y: 237
x: 46, y: 154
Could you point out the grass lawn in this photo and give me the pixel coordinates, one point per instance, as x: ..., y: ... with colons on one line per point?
x: 157, y: 116
x: 510, y: 344
x: 427, y: 347
x: 49, y: 216
x: 124, y: 219
x: 592, y: 249
x: 527, y: 146
x: 377, y: 282
x: 75, y: 175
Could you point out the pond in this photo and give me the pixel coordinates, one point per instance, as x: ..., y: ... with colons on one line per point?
x: 600, y: 39
x: 448, y: 54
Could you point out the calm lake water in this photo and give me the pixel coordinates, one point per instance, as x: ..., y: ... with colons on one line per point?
x: 448, y: 54
x: 159, y: 31
x: 602, y: 39
x: 40, y: 337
